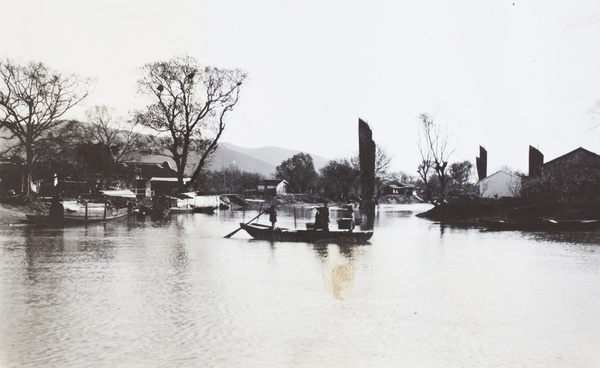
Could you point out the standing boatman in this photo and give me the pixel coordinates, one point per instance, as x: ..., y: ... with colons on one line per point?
x: 325, y: 217
x: 56, y: 214
x: 272, y: 216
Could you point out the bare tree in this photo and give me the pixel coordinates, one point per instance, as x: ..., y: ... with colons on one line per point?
x: 425, y: 173
x: 382, y: 164
x: 118, y: 139
x: 433, y: 145
x: 189, y: 108
x: 33, y: 99
x: 382, y: 161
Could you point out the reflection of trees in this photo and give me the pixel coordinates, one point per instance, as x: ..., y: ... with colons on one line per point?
x: 40, y: 248
x: 585, y: 241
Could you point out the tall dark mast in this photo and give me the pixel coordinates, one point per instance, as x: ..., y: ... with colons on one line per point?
x: 366, y: 154
x: 481, y: 163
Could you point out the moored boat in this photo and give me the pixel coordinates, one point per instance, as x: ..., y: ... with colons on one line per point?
x: 193, y: 203
x: 204, y: 209
x: 117, y: 204
x: 79, y: 218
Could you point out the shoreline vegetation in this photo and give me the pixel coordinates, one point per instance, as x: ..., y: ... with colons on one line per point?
x: 463, y: 211
x: 475, y: 211
x: 13, y: 210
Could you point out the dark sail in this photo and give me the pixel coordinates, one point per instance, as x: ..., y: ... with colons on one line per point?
x: 366, y: 154
x: 536, y: 160
x: 481, y: 163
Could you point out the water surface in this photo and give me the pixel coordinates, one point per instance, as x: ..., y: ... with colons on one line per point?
x: 177, y: 294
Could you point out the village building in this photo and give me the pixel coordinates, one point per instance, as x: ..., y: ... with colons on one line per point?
x: 146, y: 178
x: 399, y: 189
x: 152, y: 179
x: 272, y: 187
x: 579, y: 164
x: 500, y: 184
x: 573, y: 175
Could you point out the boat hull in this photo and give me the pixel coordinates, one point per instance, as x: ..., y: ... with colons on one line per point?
x: 193, y: 209
x: 306, y: 236
x: 204, y: 209
x: 45, y: 220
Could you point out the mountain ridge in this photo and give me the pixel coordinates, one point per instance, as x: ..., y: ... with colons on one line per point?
x: 261, y: 160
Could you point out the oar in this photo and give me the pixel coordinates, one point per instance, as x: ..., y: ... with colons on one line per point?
x: 240, y: 228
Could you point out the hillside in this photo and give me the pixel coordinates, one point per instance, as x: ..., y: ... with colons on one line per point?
x: 225, y: 157
x: 261, y: 160
x: 274, y: 155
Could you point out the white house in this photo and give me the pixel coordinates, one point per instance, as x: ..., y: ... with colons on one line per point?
x: 500, y: 184
x: 272, y: 187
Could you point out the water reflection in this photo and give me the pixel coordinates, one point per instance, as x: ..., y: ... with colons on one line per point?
x: 337, y: 262
x: 175, y: 293
x: 579, y: 237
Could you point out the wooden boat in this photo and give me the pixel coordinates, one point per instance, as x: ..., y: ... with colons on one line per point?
x: 193, y: 203
x: 204, y: 209
x: 77, y: 213
x: 311, y: 234
x: 264, y: 232
x: 79, y: 218
x: 192, y: 209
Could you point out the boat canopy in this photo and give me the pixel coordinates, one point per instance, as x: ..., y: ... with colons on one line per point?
x: 168, y: 180
x: 118, y: 193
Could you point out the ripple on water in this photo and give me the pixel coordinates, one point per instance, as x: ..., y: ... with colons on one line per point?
x: 178, y: 294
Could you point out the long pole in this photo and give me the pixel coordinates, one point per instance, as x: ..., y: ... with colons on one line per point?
x: 240, y: 228
x: 260, y: 213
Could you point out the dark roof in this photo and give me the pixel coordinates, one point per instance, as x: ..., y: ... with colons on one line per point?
x: 271, y: 182
x: 150, y: 170
x: 401, y: 186
x: 580, y: 149
x: 7, y: 165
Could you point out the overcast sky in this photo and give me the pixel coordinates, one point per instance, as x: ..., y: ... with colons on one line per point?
x: 502, y: 74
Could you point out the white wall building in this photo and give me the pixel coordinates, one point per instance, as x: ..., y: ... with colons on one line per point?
x: 500, y: 184
x: 272, y: 187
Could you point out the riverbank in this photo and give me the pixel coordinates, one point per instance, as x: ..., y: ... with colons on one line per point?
x: 475, y: 211
x: 312, y: 200
x: 14, y: 213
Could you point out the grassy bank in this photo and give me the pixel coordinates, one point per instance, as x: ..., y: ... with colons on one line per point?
x: 473, y: 210
x: 14, y: 209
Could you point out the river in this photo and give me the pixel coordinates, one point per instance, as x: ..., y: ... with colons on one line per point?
x: 177, y: 294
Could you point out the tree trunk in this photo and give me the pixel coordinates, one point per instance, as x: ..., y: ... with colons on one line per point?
x: 29, y: 168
